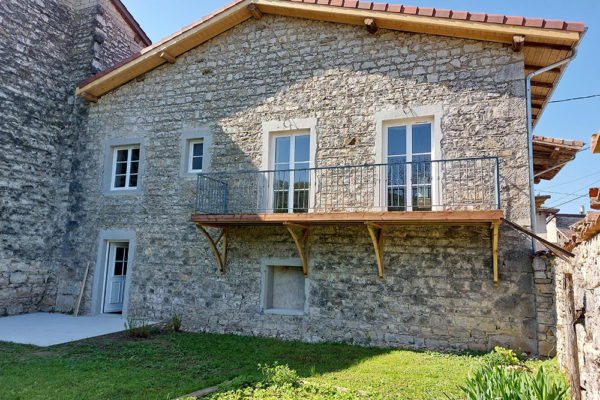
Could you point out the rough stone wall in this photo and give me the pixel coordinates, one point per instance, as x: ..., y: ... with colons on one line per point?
x: 545, y: 301
x: 34, y: 43
x: 586, y: 281
x: 114, y: 39
x: 45, y: 50
x: 438, y: 292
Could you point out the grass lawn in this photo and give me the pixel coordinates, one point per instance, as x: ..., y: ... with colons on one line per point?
x: 172, y: 364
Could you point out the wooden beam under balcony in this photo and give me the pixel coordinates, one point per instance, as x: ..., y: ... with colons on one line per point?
x: 476, y: 217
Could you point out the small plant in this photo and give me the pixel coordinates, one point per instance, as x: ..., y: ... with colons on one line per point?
x: 279, y: 375
x: 137, y: 328
x: 501, y: 383
x: 501, y: 356
x: 175, y: 322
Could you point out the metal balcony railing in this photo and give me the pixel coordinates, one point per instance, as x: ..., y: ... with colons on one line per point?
x: 424, y: 185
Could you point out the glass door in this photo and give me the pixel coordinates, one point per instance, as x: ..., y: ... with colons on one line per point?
x: 291, y: 176
x: 409, y: 167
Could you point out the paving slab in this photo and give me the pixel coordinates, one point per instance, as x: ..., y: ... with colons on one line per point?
x: 44, y: 329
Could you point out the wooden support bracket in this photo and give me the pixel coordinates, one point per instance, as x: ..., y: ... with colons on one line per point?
x: 255, y: 11
x: 221, y: 256
x: 495, y: 226
x: 371, y: 25
x: 517, y: 43
x: 302, y: 243
x: 165, y: 55
x: 376, y: 232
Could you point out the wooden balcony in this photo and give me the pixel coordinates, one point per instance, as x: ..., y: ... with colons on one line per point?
x: 444, y: 192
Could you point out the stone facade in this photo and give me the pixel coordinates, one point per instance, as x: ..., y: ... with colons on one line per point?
x: 586, y: 282
x: 46, y: 48
x: 545, y: 302
x: 438, y: 291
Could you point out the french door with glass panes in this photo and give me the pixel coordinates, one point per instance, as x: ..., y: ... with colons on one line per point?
x: 116, y: 275
x: 409, y: 171
x: 290, y: 179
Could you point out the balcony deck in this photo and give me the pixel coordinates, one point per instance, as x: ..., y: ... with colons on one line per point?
x: 475, y: 217
x: 426, y: 192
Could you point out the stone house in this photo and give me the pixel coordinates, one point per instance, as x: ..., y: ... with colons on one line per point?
x: 319, y: 171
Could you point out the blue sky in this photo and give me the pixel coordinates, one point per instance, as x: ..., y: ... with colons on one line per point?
x: 576, y: 120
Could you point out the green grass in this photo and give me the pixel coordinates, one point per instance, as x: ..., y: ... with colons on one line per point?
x: 172, y: 364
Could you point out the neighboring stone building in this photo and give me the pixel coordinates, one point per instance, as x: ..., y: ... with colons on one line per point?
x: 46, y: 48
x: 336, y: 104
x: 585, y: 269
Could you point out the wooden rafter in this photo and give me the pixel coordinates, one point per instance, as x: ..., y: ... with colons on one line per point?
x: 371, y: 25
x: 517, y: 43
x: 302, y: 243
x: 89, y: 97
x: 255, y: 11
x: 220, y: 255
x: 376, y: 233
x: 495, y: 226
x: 165, y: 55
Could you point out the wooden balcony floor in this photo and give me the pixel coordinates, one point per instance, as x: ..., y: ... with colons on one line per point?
x: 478, y: 217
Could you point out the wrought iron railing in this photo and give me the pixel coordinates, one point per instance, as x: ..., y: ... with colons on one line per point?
x: 438, y: 185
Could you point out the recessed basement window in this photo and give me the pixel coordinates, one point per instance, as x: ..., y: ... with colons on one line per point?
x: 284, y: 290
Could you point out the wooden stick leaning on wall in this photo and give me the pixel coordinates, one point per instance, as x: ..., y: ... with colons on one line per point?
x: 572, y: 354
x: 87, y: 269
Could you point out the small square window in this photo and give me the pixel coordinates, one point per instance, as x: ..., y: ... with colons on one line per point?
x: 195, y: 155
x: 285, y: 290
x: 125, y: 169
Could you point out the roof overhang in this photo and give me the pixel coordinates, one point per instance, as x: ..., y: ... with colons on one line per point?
x: 545, y: 41
x: 550, y: 155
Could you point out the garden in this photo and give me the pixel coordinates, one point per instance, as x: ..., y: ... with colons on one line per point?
x: 170, y: 364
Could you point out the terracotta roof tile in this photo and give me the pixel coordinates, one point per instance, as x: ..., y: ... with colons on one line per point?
x: 464, y: 15
x: 443, y: 13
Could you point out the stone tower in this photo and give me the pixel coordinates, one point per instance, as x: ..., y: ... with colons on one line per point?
x: 46, y: 48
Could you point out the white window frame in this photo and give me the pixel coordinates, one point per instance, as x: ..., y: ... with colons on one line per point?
x: 409, y: 158
x: 411, y: 115
x: 129, y: 149
x: 273, y: 129
x: 190, y: 153
x: 292, y: 135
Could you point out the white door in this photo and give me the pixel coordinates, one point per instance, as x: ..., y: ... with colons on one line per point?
x: 116, y: 273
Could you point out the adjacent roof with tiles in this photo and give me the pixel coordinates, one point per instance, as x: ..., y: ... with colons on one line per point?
x: 545, y: 41
x: 550, y: 155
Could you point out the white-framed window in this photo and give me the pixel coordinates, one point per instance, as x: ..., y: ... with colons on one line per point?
x: 408, y: 153
x: 195, y: 155
x: 291, y: 177
x: 284, y: 290
x: 125, y: 169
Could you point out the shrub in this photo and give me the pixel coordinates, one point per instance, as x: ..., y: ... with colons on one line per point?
x: 279, y: 375
x: 137, y: 328
x: 175, y: 322
x: 501, y: 383
x: 502, y: 356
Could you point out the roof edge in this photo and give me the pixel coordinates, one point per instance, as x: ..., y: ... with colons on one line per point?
x: 122, y: 9
x: 333, y: 11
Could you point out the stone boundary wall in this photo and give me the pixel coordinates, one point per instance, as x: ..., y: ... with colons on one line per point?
x: 545, y: 302
x: 586, y: 283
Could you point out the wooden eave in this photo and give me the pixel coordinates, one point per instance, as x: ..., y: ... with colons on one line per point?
x: 542, y: 46
x: 551, y: 154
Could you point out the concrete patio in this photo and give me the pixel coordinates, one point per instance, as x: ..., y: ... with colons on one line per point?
x: 42, y: 329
